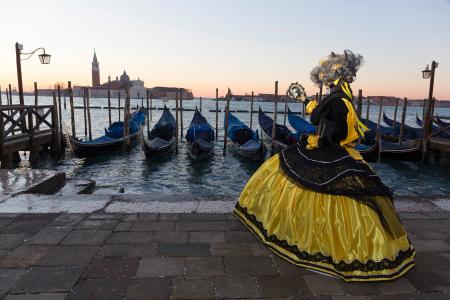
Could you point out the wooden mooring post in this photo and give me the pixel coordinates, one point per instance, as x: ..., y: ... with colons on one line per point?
x: 109, y: 105
x: 10, y: 95
x: 181, y: 112
x: 35, y: 94
x: 402, y: 124
x: 84, y: 112
x: 56, y: 147
x: 285, y: 109
x: 1, y: 100
x: 272, y: 150
x: 126, y: 118
x: 395, y: 110
x: 176, y: 122
x: 147, y: 114
x: 359, y: 104
x: 367, y: 110
x: 225, y: 130
x: 60, y: 114
x: 217, y: 113
x: 72, y: 112
x: 251, y: 110
x: 378, y: 138
x: 118, y: 99
x: 88, y: 107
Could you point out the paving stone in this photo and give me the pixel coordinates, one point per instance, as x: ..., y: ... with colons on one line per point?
x: 426, y: 234
x: 413, y: 216
x: 69, y: 219
x: 130, y: 218
x: 41, y: 296
x: 249, y: 265
x: 117, y: 267
x: 38, y: 216
x: 104, y: 288
x: 86, y: 237
x: 170, y: 237
x: 348, y: 297
x: 203, y: 225
x: 23, y: 257
x: 207, y: 237
x: 153, y: 226
x: 4, y: 222
x: 398, y: 286
x: 183, y: 250
x: 24, y: 226
x: 68, y: 256
x: 147, y: 217
x: 149, y: 288
x: 9, y: 215
x: 105, y: 217
x: 323, y: 285
x: 230, y: 249
x: 202, y: 217
x: 12, y: 241
x: 240, y: 237
x: 428, y: 281
x: 438, y: 215
x: 286, y: 268
x: 204, y: 266
x: 126, y: 250
x: 97, y: 224
x: 237, y: 286
x: 123, y: 226
x: 432, y: 261
x: 129, y: 238
x: 258, y: 249
x: 161, y: 266
x: 50, y: 235
x: 8, y: 277
x: 290, y: 287
x: 168, y: 217
x: 360, y: 288
x: 192, y: 288
x: 48, y: 279
x: 3, y: 253
x: 431, y: 246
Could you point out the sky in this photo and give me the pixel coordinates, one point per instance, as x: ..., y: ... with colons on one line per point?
x: 245, y: 45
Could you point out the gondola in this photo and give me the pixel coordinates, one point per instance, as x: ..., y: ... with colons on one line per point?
x: 369, y: 152
x: 112, y: 139
x: 200, y: 137
x: 441, y: 123
x: 283, y: 136
x: 299, y: 123
x: 411, y: 150
x: 387, y: 133
x: 161, y: 139
x: 410, y: 133
x: 247, y: 141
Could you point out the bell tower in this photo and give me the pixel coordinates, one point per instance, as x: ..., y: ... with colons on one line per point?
x: 95, y: 71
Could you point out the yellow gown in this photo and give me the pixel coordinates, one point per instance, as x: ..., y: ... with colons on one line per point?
x: 333, y: 234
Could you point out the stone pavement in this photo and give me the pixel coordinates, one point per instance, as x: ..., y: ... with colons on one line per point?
x: 188, y: 256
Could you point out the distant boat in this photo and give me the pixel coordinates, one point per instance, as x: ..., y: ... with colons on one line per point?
x: 247, y: 141
x: 283, y: 135
x: 409, y: 132
x: 161, y: 139
x: 200, y: 137
x: 111, y: 140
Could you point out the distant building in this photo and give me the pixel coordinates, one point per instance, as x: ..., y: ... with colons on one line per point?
x: 95, y: 71
x: 117, y: 87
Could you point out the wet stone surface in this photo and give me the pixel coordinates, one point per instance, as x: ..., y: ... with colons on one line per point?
x: 188, y: 256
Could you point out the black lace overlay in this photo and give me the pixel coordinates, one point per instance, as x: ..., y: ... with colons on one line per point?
x: 331, y: 170
x: 342, y: 266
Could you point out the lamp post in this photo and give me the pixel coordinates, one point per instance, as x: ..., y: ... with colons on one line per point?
x: 44, y: 58
x: 429, y: 74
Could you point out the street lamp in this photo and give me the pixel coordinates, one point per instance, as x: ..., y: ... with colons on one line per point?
x: 44, y: 58
x: 429, y: 74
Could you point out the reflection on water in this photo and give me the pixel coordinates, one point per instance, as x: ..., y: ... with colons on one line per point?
x: 225, y: 176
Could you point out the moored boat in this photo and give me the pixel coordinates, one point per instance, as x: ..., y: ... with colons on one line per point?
x: 247, y: 141
x: 200, y: 137
x: 283, y: 135
x: 411, y: 150
x: 113, y: 138
x: 161, y: 139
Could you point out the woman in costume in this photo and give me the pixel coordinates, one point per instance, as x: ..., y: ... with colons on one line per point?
x: 318, y: 205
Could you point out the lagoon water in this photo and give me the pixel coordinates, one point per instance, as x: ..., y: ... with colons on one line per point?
x: 219, y: 176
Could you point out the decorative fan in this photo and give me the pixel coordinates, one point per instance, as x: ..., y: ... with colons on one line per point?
x: 296, y: 91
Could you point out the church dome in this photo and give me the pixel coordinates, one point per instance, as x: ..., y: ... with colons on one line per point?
x: 124, y: 80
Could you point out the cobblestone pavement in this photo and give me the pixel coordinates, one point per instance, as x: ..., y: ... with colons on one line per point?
x: 188, y: 256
